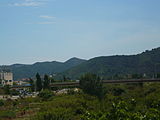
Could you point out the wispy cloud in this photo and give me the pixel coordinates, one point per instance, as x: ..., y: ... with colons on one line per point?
x: 44, y: 23
x: 46, y: 20
x: 29, y: 3
x: 41, y: 23
x: 47, y: 17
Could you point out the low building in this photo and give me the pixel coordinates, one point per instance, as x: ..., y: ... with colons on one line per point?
x: 21, y: 82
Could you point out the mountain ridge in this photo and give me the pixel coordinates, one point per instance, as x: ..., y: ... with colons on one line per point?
x: 146, y: 62
x: 143, y: 63
x: 29, y: 70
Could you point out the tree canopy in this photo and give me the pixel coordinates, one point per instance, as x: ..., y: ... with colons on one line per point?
x: 38, y: 82
x: 92, y: 84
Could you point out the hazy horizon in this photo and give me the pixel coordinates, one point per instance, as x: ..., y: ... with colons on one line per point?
x: 57, y: 30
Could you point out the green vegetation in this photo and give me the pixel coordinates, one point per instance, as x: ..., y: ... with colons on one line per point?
x: 14, y: 92
x: 144, y: 65
x: 32, y: 84
x: 45, y: 94
x: 46, y: 82
x: 92, y: 84
x: 1, y: 102
x: 120, y: 102
x: 7, y: 114
x: 38, y: 82
x: 26, y: 71
x: 6, y: 89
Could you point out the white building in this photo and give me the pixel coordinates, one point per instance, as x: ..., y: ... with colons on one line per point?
x: 6, y: 78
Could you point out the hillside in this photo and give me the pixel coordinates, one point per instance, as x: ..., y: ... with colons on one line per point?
x: 26, y: 71
x: 147, y: 62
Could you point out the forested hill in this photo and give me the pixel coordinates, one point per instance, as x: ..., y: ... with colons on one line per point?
x: 147, y: 62
x: 26, y: 71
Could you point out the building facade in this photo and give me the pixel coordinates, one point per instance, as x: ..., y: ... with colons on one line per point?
x: 6, y: 78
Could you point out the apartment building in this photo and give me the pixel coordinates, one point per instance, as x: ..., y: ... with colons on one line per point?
x: 6, y: 77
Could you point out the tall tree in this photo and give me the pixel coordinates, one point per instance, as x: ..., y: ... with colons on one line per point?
x: 38, y: 82
x: 32, y: 84
x: 46, y: 82
x: 64, y: 78
x: 0, y: 81
x: 158, y: 75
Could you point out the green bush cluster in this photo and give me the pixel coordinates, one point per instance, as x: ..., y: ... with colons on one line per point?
x: 54, y: 114
x: 7, y: 114
x: 45, y: 94
x: 121, y: 111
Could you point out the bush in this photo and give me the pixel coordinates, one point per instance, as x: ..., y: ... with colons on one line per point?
x: 7, y: 89
x: 54, y: 114
x: 118, y: 91
x: 45, y: 94
x: 7, y: 114
x: 1, y: 102
x: 14, y: 92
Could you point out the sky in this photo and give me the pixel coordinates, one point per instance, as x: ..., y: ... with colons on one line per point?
x: 56, y: 30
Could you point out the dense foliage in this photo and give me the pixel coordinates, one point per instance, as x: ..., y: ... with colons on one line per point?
x: 39, y: 84
x: 92, y: 84
x: 46, y: 82
x: 26, y: 71
x: 121, y: 102
x: 120, y: 66
x: 45, y: 94
x: 31, y: 81
x: 110, y: 67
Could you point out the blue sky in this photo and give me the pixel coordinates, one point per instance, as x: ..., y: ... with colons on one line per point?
x: 48, y: 30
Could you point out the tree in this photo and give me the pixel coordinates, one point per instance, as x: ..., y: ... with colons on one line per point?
x: 92, y: 84
x: 137, y: 76
x: 51, y: 80
x: 64, y: 78
x: 38, y: 82
x: 0, y: 81
x: 46, y: 82
x: 158, y: 75
x: 32, y: 84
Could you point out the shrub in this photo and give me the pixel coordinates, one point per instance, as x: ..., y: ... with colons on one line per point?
x: 1, y: 102
x: 54, y: 114
x: 45, y: 94
x: 7, y: 89
x: 7, y: 114
x: 118, y: 91
x: 14, y: 92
